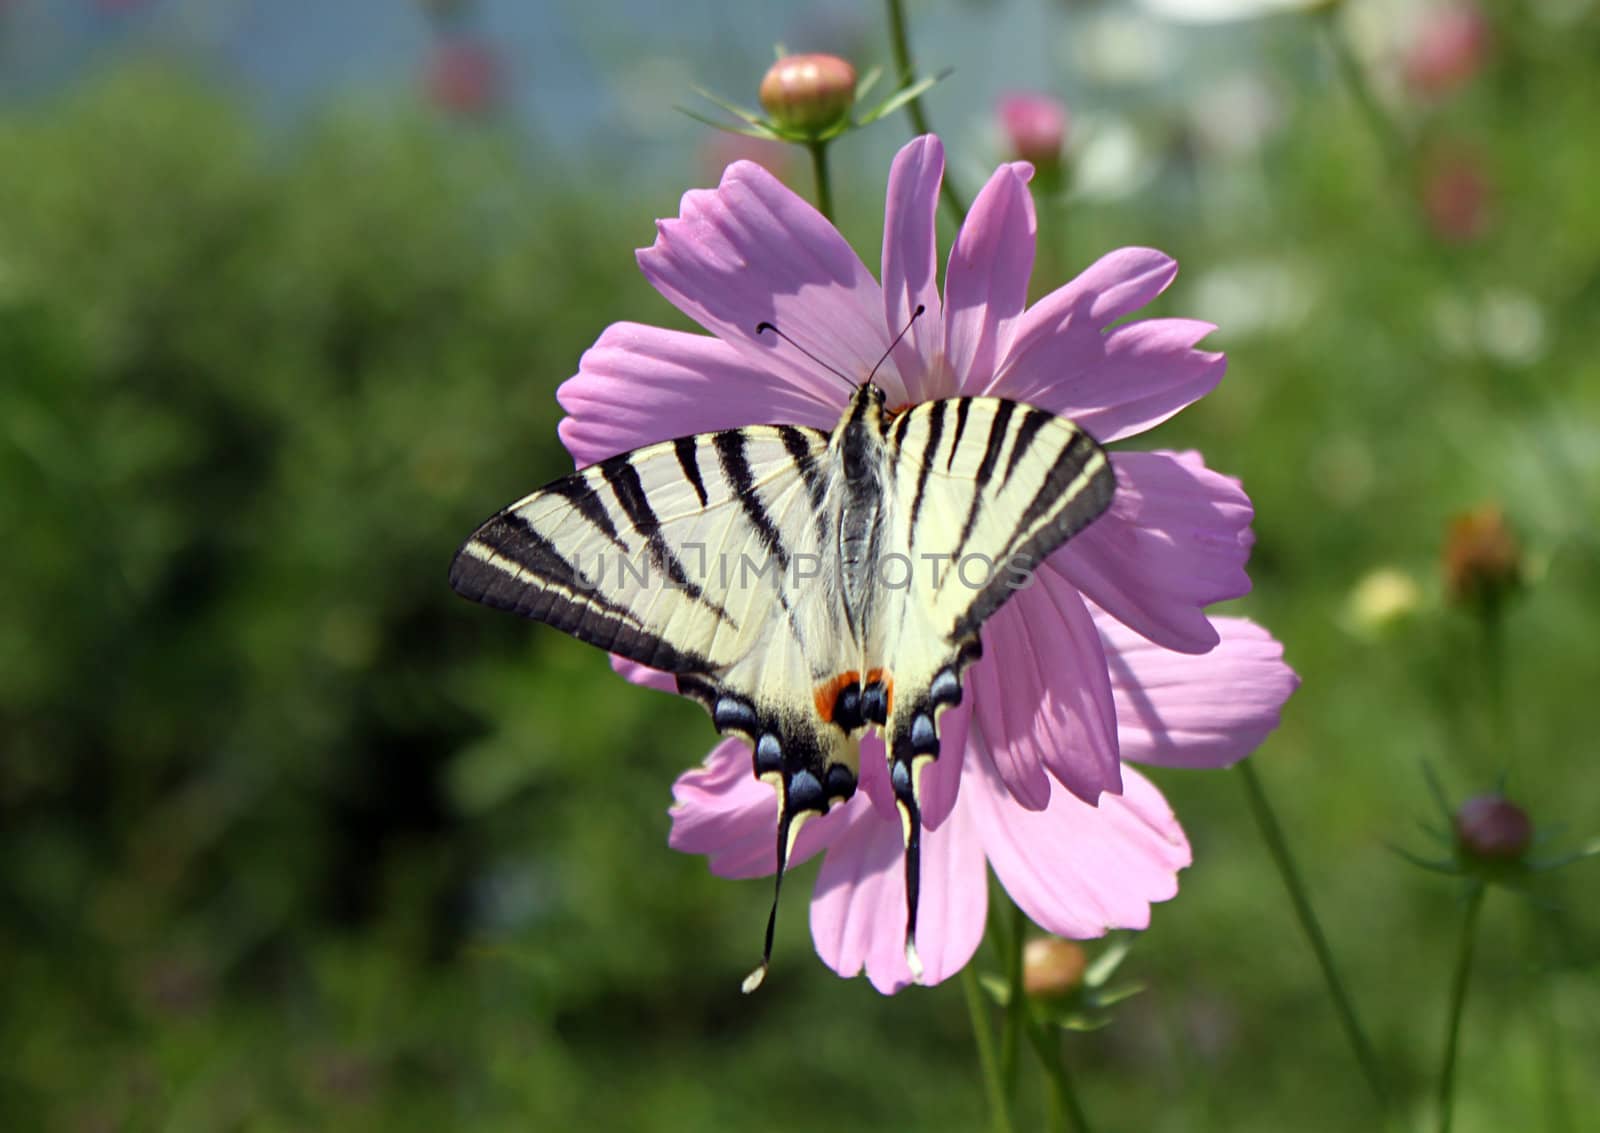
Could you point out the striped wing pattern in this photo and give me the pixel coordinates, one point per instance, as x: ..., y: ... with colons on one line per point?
x: 672, y: 555
x: 982, y: 491
x: 721, y: 558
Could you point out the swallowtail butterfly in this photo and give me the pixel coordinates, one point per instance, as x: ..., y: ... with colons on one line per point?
x: 791, y: 579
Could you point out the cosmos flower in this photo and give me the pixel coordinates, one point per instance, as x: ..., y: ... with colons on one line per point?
x: 1035, y: 126
x: 1042, y: 707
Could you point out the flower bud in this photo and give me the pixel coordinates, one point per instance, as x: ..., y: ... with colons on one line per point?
x: 464, y: 77
x: 1449, y: 48
x: 1457, y: 197
x: 1493, y: 827
x: 1035, y: 127
x: 1052, y: 967
x: 808, y: 93
x: 1482, y: 558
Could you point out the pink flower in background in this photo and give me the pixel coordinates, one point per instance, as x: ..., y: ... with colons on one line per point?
x: 1043, y: 705
x: 1449, y: 48
x: 1457, y: 196
x: 463, y: 76
x: 1035, y: 127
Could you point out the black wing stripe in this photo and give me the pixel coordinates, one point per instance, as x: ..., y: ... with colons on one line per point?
x: 730, y: 446
x: 623, y: 477
x: 578, y: 492
x: 688, y: 460
x: 963, y: 407
x: 555, y: 592
x: 991, y: 457
x: 935, y: 431
x: 1032, y: 421
x: 797, y: 446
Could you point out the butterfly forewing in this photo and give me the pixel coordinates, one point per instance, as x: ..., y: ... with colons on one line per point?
x: 672, y: 555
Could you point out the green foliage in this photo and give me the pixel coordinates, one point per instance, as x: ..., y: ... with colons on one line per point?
x: 290, y: 837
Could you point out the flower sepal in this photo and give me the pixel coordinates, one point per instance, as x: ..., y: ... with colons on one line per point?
x: 1487, y: 839
x: 810, y: 126
x: 1081, y: 1001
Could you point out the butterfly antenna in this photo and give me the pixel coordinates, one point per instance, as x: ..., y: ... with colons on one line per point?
x: 915, y: 315
x: 764, y: 326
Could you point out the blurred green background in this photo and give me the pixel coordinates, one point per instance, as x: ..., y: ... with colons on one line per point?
x: 290, y: 837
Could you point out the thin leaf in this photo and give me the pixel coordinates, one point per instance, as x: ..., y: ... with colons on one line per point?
x: 868, y: 81
x: 1445, y: 867
x: 757, y: 132
x: 900, y: 98
x: 1107, y: 962
x: 736, y: 110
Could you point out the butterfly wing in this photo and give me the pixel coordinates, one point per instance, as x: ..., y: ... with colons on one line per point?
x: 982, y: 491
x: 704, y: 557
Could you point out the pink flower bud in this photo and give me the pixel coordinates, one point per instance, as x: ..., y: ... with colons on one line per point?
x: 464, y: 77
x: 1491, y: 826
x: 808, y: 93
x: 1450, y: 46
x: 1052, y: 967
x: 1457, y: 198
x: 1482, y: 557
x: 1035, y: 126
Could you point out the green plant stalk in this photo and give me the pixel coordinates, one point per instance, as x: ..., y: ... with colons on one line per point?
x: 993, y: 1087
x: 1396, y: 149
x: 1063, y: 1093
x: 907, y: 74
x: 1278, y: 847
x: 1016, y: 1002
x: 819, y: 170
x: 1458, y: 1000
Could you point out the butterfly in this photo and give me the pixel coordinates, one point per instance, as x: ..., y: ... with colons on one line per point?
x: 805, y: 586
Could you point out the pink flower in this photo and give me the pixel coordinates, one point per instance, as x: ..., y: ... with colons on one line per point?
x: 1049, y: 703
x: 1457, y: 196
x: 1449, y: 48
x: 463, y: 76
x: 1035, y: 126
x: 1076, y: 870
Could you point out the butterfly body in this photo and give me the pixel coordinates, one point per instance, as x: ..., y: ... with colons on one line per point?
x: 791, y: 579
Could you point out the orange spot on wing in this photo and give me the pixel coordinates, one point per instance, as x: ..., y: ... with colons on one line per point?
x: 827, y: 693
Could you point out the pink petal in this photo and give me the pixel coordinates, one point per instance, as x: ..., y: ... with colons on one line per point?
x: 1075, y: 869
x: 941, y: 780
x: 858, y: 912
x: 751, y: 251
x: 986, y: 284
x: 910, y: 262
x: 640, y: 384
x: 1116, y: 383
x: 643, y: 675
x: 1174, y: 540
x: 722, y: 810
x: 1043, y: 697
x: 1212, y: 710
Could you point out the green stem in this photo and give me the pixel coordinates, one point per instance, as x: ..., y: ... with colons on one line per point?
x: 907, y: 74
x: 1278, y: 847
x: 993, y: 1087
x: 1458, y: 1000
x: 1063, y: 1093
x: 1396, y: 149
x: 819, y: 170
x: 1492, y: 618
x: 1016, y: 1002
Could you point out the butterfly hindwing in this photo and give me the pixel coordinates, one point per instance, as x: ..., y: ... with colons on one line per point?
x: 981, y: 491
